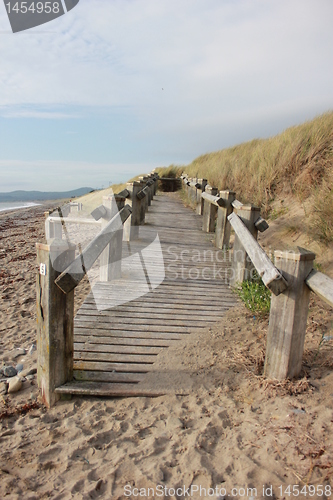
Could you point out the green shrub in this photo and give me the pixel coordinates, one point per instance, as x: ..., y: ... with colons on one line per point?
x: 256, y: 297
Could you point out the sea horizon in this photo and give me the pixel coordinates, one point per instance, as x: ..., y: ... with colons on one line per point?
x: 16, y: 205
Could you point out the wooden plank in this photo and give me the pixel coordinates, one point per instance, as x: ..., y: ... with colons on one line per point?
x: 215, y: 200
x: 156, y: 313
x: 321, y: 285
x: 161, y: 308
x: 107, y: 389
x: 215, y: 291
x: 167, y: 285
x: 123, y: 194
x: 143, y: 322
x: 182, y: 296
x: 160, y: 298
x: 237, y: 204
x: 150, y: 315
x: 129, y: 334
x: 115, y: 349
x: 93, y: 376
x: 75, y: 272
x: 195, y: 185
x: 142, y: 193
x: 115, y: 358
x: 129, y: 327
x: 107, y: 340
x: 270, y: 275
x: 217, y: 286
x: 108, y: 366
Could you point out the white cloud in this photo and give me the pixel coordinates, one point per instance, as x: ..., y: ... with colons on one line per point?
x: 122, y: 53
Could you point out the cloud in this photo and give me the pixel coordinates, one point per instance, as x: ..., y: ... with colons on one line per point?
x: 122, y: 53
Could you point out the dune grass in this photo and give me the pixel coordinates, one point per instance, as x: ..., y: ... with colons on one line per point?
x: 298, y: 162
x: 254, y: 294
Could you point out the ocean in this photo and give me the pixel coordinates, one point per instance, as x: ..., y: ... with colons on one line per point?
x: 7, y: 205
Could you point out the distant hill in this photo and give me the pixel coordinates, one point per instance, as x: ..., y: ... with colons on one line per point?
x: 43, y: 195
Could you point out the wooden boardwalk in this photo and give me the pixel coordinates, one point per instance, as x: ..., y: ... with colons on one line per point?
x: 115, y: 343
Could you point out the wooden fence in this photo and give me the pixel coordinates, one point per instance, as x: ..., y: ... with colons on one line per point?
x: 62, y: 266
x: 290, y: 278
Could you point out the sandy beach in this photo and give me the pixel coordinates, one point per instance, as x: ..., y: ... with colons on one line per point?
x: 230, y: 432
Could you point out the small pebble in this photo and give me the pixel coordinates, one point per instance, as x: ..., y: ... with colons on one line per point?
x: 14, y: 385
x: 9, y: 371
x: 30, y: 377
x: 19, y: 367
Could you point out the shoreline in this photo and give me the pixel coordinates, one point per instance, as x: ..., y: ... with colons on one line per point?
x: 16, y: 207
x: 46, y: 204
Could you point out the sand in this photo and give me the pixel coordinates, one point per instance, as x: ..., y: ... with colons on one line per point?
x: 229, y: 428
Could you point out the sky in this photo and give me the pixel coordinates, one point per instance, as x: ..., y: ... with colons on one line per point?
x: 115, y: 88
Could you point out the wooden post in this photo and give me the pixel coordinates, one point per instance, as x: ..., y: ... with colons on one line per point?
x: 152, y: 186
x: 187, y: 187
x: 146, y: 200
x: 110, y: 258
x: 149, y: 198
x: 193, y: 192
x: 222, y: 234
x: 131, y: 226
x: 209, y: 212
x: 155, y: 183
x: 241, y: 263
x: 142, y: 203
x: 200, y: 201
x: 288, y: 316
x: 47, y: 226
x: 52, y: 229
x: 55, y: 320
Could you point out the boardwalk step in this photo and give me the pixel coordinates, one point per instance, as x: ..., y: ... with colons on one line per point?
x: 95, y: 376
x: 107, y: 389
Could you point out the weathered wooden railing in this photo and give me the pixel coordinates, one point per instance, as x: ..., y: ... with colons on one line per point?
x: 290, y: 278
x: 60, y: 270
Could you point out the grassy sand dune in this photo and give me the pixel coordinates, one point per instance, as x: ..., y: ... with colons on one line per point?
x: 298, y: 164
